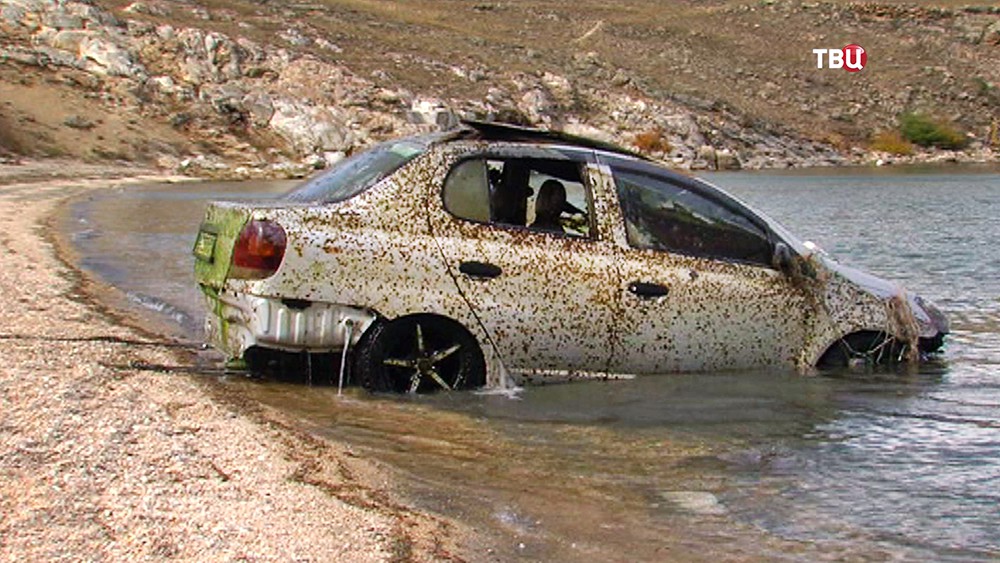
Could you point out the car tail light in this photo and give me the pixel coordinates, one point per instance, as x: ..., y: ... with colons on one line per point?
x: 259, y: 250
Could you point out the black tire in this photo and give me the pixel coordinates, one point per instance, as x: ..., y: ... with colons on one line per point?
x: 870, y: 349
x: 391, y: 358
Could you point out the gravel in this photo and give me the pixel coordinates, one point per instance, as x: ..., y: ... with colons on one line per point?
x: 103, y: 458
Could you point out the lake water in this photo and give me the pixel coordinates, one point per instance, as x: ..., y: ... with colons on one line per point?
x: 751, y: 465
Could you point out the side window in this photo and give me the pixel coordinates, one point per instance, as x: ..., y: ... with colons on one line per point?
x: 547, y: 195
x: 663, y: 215
x: 466, y: 193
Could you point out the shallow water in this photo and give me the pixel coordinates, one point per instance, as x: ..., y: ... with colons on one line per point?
x: 764, y: 464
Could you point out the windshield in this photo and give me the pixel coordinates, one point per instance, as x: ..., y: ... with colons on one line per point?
x: 359, y: 172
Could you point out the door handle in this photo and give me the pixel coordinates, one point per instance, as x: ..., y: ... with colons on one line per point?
x: 648, y: 290
x: 480, y: 270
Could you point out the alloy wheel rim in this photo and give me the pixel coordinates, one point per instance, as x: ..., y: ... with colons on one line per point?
x: 424, y: 363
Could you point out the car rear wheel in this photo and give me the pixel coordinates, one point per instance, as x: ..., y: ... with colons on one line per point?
x: 419, y: 354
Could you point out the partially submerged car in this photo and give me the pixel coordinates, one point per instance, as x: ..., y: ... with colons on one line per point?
x: 449, y: 260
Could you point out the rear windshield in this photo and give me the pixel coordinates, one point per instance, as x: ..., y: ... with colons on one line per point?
x: 359, y: 172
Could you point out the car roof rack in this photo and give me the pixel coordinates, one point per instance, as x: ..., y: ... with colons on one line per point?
x: 495, y: 131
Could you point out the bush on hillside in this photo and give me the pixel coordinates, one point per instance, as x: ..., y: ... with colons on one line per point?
x: 925, y: 131
x: 891, y: 142
x: 653, y: 141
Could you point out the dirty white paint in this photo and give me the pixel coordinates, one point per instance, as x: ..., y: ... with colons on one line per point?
x: 561, y: 304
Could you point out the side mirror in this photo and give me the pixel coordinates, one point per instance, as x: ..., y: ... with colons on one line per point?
x: 782, y: 259
x: 785, y: 261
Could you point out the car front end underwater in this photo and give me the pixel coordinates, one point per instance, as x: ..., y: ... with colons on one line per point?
x: 458, y: 259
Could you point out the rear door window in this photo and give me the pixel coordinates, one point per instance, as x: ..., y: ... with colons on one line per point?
x: 544, y: 195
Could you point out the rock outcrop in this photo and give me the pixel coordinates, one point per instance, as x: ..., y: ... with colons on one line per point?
x: 264, y: 109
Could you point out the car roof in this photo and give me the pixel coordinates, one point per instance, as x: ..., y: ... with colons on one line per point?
x: 505, y: 132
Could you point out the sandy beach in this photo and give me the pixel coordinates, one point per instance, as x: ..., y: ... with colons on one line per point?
x: 107, y: 455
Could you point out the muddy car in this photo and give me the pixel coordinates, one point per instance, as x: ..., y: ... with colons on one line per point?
x: 451, y: 260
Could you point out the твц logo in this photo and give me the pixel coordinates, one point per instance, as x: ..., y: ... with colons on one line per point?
x: 851, y: 58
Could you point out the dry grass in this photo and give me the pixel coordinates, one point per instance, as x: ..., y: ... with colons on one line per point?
x: 9, y: 141
x: 891, y: 142
x: 652, y: 142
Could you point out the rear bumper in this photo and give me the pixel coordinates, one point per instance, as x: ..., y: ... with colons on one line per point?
x: 238, y: 321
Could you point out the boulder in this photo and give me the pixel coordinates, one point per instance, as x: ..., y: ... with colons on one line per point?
x: 295, y: 37
x: 224, y: 57
x: 148, y: 8
x: 429, y: 111
x: 706, y: 153
x: 59, y: 19
x: 322, y: 83
x: 104, y: 57
x: 93, y: 15
x: 311, y: 129
x: 77, y: 121
x: 226, y: 99
x: 331, y: 158
x: 727, y: 160
x: 259, y: 107
x: 250, y: 52
x: 195, y: 70
x: 683, y: 125
x: 584, y: 130
x: 559, y: 87
x: 30, y: 6
x: 167, y: 87
x: 538, y: 106
x: 991, y: 35
x: 698, y: 502
x: 12, y: 15
x: 20, y: 56
x: 57, y: 57
x: 67, y: 39
x: 162, y: 85
x: 166, y: 32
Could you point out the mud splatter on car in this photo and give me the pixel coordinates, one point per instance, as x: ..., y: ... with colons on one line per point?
x: 450, y: 260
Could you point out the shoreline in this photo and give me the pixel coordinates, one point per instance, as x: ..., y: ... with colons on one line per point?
x: 109, y: 454
x: 40, y: 170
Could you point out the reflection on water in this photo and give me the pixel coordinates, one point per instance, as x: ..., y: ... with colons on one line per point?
x: 731, y: 465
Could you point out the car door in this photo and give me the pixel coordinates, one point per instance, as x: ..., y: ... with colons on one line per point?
x: 544, y: 292
x: 697, y: 289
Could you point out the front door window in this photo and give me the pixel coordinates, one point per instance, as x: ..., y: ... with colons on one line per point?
x: 661, y: 214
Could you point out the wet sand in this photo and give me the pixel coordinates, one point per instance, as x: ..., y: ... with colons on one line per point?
x: 109, y: 450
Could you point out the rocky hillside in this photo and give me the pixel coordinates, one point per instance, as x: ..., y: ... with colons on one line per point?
x: 280, y: 87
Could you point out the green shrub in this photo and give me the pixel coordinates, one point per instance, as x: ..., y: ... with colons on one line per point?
x: 891, y: 142
x: 925, y: 131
